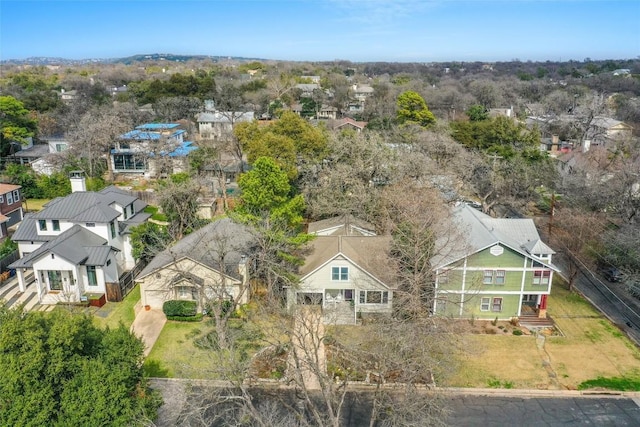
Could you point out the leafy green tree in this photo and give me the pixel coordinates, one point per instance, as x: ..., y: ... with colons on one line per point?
x: 412, y: 109
x: 16, y: 124
x: 149, y: 239
x: 477, y: 113
x: 269, y: 208
x: 26, y: 177
x: 60, y: 369
x: 289, y: 140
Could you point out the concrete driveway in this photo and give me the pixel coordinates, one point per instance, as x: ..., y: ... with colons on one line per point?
x: 147, y: 325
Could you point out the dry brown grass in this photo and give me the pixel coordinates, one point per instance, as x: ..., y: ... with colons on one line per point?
x: 591, y: 347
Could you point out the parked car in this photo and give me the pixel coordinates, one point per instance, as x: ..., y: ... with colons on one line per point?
x: 612, y: 274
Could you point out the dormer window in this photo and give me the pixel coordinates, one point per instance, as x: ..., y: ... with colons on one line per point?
x: 112, y: 225
x: 55, y: 224
x: 42, y: 225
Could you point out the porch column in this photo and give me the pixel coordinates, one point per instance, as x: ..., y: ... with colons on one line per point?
x: 542, y: 312
x: 21, y: 285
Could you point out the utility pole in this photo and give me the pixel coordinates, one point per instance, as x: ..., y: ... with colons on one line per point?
x: 552, y: 211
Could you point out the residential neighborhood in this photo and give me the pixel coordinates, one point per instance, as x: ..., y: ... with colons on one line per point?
x: 331, y: 232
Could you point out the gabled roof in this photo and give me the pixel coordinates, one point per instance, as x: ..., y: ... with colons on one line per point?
x: 81, y: 206
x: 77, y: 245
x: 27, y: 231
x: 5, y: 188
x: 118, y: 196
x: 343, y: 225
x: 337, y: 124
x: 481, y: 231
x: 222, y: 240
x: 371, y: 254
x: 224, y: 117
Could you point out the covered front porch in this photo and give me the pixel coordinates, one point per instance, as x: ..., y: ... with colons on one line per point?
x: 534, y: 305
x: 338, y: 305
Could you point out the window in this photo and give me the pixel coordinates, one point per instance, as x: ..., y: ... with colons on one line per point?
x: 132, y: 209
x: 108, y: 262
x: 61, y: 147
x: 374, y: 297
x: 90, y: 224
x: 2, y: 198
x: 443, y: 277
x: 55, y: 224
x: 186, y: 292
x: 112, y: 225
x: 340, y: 273
x: 494, y: 277
x: 92, y: 279
x: 497, y: 304
x: 484, y: 304
x: 9, y: 198
x: 16, y: 195
x: 42, y: 225
x: 541, y: 277
x: 125, y: 212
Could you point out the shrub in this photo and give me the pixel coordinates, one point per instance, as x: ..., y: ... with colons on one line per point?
x: 495, y: 321
x: 225, y: 307
x: 517, y: 332
x: 197, y: 318
x: 7, y: 247
x: 180, y: 308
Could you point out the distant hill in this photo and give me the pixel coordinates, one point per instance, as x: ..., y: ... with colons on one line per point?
x: 45, y: 60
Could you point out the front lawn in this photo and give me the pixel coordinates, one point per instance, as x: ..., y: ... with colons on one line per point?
x: 112, y: 313
x: 187, y: 349
x: 31, y: 205
x: 590, y: 348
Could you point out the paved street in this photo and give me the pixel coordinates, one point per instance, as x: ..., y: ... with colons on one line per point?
x: 621, y: 309
x: 488, y: 411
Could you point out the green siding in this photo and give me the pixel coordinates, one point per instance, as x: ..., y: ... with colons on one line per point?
x: 451, y: 304
x: 509, y: 307
x: 484, y: 258
x: 530, y: 287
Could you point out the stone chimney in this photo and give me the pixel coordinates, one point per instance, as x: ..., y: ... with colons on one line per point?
x: 78, y: 182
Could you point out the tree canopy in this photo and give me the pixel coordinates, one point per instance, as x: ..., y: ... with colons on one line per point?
x: 59, y: 369
x: 287, y: 140
x: 16, y: 124
x: 412, y: 109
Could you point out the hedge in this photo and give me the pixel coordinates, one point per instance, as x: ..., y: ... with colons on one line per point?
x: 179, y: 308
x: 197, y: 318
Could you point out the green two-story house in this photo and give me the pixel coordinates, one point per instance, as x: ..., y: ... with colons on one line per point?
x: 504, y: 270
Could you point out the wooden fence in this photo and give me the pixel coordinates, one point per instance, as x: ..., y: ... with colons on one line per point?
x: 7, y: 260
x: 117, y: 291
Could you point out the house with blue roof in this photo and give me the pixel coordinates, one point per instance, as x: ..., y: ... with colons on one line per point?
x: 79, y: 244
x: 152, y: 150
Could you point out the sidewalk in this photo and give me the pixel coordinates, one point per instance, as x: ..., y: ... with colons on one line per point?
x: 148, y: 325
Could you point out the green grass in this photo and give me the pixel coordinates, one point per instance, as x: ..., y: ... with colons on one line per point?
x: 188, y: 350
x: 612, y: 383
x: 35, y: 204
x: 153, y: 210
x: 117, y: 312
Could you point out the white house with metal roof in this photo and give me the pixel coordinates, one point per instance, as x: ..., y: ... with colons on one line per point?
x: 151, y: 149
x: 504, y: 270
x: 78, y: 244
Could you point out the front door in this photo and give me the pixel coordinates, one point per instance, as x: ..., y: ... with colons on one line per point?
x: 55, y: 280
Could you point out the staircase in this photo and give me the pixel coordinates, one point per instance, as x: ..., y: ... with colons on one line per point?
x: 532, y: 321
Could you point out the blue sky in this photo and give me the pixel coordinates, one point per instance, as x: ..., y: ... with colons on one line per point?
x: 317, y: 30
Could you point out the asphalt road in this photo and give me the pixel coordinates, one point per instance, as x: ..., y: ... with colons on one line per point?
x: 488, y: 411
x: 467, y: 408
x: 610, y: 299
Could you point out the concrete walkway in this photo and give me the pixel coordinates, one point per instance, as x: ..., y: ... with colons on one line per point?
x: 10, y: 293
x: 148, y: 325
